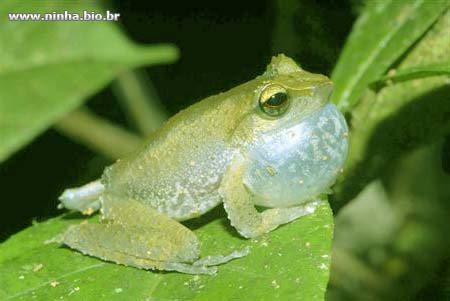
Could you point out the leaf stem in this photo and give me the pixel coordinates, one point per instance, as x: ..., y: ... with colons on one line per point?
x: 411, y: 73
x: 140, y: 101
x: 97, y: 133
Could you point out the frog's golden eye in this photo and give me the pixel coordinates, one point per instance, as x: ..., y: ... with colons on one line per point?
x: 274, y: 100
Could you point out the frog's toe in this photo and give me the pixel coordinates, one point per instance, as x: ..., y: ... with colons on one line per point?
x: 220, y: 259
x: 190, y: 268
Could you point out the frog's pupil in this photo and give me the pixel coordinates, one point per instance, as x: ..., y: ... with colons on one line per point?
x: 277, y: 99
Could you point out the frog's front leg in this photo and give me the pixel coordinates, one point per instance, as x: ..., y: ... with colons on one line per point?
x: 240, y: 207
x: 137, y: 235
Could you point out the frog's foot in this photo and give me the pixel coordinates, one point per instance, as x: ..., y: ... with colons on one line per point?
x: 136, y: 235
x: 207, y: 264
x: 85, y: 199
x: 220, y: 259
x: 190, y: 269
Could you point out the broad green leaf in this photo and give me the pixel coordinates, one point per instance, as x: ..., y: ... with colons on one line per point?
x: 411, y: 73
x: 399, y: 117
x: 381, y: 35
x: 50, y: 68
x: 290, y: 263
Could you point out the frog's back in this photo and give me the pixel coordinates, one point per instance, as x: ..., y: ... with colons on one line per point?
x: 180, y: 170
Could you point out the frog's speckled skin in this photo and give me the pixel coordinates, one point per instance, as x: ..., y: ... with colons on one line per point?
x: 222, y: 149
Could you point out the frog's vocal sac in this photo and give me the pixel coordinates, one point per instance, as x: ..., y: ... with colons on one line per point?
x: 275, y: 141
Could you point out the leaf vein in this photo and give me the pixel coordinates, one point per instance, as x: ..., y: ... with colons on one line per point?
x: 57, y: 278
x: 376, y: 51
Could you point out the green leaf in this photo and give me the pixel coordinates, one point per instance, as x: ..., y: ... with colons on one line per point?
x: 290, y: 263
x: 399, y: 117
x: 49, y: 68
x: 411, y: 73
x: 381, y: 35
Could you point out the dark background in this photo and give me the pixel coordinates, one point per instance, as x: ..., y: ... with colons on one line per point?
x: 220, y: 45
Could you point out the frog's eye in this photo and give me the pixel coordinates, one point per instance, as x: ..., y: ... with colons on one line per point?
x: 274, y: 100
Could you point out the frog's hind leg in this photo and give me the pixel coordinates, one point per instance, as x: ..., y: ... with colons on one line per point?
x: 128, y: 245
x: 85, y: 199
x: 137, y: 235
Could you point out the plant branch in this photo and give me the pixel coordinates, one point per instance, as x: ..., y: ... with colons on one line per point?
x: 140, y: 100
x: 97, y: 133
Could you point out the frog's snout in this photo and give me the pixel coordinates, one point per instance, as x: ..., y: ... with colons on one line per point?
x: 323, y: 92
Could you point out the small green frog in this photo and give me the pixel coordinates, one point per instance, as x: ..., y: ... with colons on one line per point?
x: 274, y: 142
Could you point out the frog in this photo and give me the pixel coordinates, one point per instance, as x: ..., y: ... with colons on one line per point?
x: 267, y: 150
